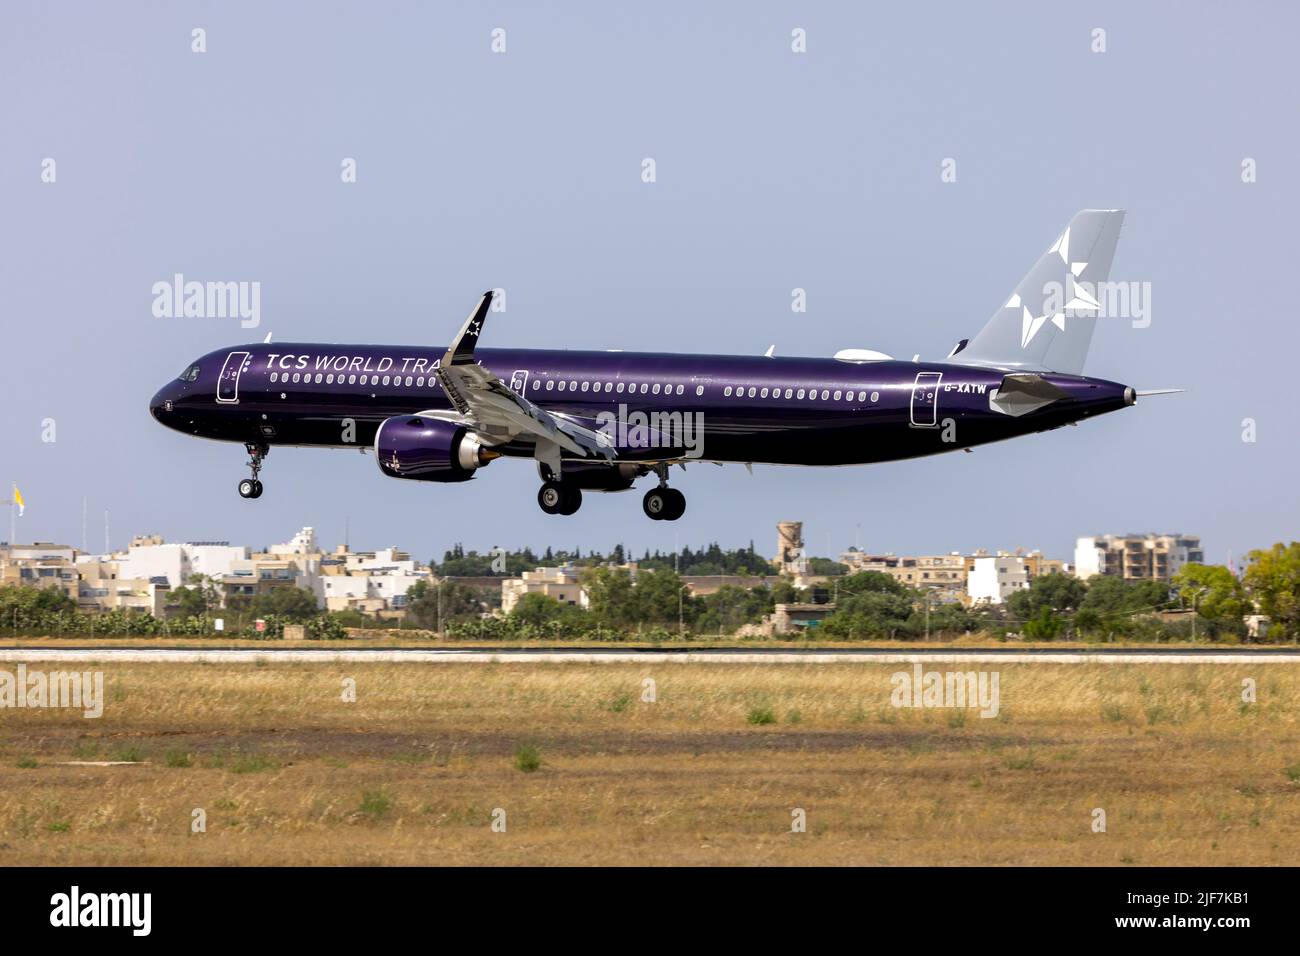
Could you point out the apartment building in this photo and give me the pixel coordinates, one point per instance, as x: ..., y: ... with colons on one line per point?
x: 1136, y: 557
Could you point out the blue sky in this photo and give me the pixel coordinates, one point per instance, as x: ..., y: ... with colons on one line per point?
x: 775, y: 170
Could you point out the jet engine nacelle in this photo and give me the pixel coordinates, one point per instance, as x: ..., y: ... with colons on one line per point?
x: 428, y: 449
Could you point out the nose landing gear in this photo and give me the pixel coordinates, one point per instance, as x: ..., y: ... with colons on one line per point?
x: 251, y: 487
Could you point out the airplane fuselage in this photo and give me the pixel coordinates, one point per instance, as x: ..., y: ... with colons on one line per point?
x: 794, y: 411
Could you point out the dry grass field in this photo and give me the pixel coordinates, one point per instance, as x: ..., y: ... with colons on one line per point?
x: 287, y: 772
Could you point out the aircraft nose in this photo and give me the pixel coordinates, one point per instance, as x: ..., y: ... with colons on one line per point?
x: 162, y: 405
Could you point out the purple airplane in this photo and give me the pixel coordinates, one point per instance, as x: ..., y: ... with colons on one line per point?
x: 597, y: 421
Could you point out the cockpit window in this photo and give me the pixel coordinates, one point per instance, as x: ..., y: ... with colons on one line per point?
x: 191, y: 374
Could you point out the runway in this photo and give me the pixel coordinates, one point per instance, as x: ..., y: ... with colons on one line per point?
x: 717, y: 655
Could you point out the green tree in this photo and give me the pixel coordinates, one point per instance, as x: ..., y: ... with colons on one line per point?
x: 731, y: 607
x: 871, y: 614
x: 1045, y: 625
x: 1273, y: 580
x: 292, y: 604
x: 1060, y: 593
x: 1115, y: 606
x: 826, y: 567
x: 871, y: 581
x: 1214, y: 591
x: 457, y: 601
x: 541, y: 611
x: 197, y: 599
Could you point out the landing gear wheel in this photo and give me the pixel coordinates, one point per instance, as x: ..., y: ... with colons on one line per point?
x: 554, y: 498
x: 664, y: 504
x: 676, y: 504
x: 655, y: 503
x: 252, y: 487
x: 572, y: 500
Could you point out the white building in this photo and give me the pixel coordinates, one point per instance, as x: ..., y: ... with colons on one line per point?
x: 338, y: 592
x: 302, y: 543
x: 367, y: 580
x: 1136, y: 557
x: 994, y: 578
x: 389, y: 560
x: 150, y: 558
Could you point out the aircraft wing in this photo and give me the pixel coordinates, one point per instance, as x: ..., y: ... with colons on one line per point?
x: 500, y: 414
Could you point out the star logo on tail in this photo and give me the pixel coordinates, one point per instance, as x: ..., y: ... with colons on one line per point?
x: 1078, y: 297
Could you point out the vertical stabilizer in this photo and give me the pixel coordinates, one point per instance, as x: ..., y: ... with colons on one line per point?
x: 1047, y: 321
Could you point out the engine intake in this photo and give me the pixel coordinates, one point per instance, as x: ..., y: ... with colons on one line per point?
x: 428, y: 449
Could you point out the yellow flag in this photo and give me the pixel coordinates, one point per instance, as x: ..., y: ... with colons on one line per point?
x: 18, y: 500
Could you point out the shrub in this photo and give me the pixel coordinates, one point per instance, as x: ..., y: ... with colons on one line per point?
x: 528, y: 758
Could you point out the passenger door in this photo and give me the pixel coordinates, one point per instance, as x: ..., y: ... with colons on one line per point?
x: 925, y: 400
x: 228, y: 383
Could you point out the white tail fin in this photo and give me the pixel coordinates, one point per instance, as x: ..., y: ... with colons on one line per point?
x: 1047, y: 322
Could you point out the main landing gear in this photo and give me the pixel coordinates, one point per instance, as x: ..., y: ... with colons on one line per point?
x: 559, y: 498
x: 663, y: 503
x: 251, y: 487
